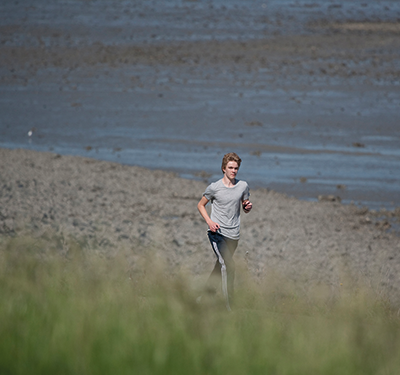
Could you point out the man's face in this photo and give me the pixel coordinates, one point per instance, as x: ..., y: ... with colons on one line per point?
x: 231, y: 169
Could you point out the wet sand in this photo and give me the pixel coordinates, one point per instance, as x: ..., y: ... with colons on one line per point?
x: 111, y: 208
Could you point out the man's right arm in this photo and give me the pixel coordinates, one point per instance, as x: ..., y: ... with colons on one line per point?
x: 201, y: 206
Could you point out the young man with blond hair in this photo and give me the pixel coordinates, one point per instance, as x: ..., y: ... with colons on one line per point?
x: 227, y: 196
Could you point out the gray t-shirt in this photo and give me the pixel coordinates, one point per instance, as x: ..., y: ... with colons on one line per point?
x: 226, y: 203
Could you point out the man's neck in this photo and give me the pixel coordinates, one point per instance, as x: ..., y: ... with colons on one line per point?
x: 228, y: 182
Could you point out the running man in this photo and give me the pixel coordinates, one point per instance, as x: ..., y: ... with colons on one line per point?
x: 227, y: 196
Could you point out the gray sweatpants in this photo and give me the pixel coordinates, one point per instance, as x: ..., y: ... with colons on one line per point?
x: 224, y: 268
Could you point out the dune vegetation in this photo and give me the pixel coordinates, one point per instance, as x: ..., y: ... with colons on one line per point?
x: 67, y: 309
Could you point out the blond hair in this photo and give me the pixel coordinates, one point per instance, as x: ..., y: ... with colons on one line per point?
x: 231, y: 156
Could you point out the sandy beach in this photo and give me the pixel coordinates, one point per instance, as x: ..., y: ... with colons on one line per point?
x: 111, y: 208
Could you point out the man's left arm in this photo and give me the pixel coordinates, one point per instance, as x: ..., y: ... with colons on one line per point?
x: 246, y: 204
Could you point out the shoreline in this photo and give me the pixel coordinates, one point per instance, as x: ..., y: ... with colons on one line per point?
x: 293, y: 184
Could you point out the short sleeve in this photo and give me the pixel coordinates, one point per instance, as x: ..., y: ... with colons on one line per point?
x: 246, y: 192
x: 209, y: 193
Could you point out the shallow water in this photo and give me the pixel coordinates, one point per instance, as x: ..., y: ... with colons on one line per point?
x: 303, y: 134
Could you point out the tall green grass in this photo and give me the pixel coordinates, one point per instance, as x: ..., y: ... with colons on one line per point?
x: 70, y: 311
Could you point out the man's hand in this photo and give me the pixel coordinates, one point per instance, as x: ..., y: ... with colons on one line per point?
x: 247, y: 206
x: 213, y: 226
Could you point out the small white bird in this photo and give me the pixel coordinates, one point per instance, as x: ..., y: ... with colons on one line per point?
x: 30, y: 132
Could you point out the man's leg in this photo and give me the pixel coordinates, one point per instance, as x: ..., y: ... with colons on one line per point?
x: 230, y: 266
x: 224, y: 249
